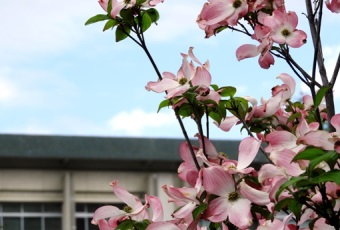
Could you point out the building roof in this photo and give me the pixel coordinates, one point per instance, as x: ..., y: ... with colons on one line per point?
x: 106, y: 153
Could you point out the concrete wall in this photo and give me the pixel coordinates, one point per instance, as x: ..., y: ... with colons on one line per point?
x: 70, y: 187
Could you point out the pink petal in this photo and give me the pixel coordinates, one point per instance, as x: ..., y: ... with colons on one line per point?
x: 104, y: 225
x: 214, y: 13
x: 266, y: 60
x: 247, y: 152
x: 192, y: 56
x: 106, y: 211
x: 318, y: 138
x: 254, y: 195
x: 335, y: 121
x: 239, y: 213
x: 279, y: 140
x: 284, y: 159
x: 227, y: 123
x: 289, y: 81
x: 123, y: 195
x: 202, y: 77
x: 247, y: 51
x: 156, y: 207
x: 296, y: 39
x: 218, y: 181
x: 161, y: 86
x: 217, y: 210
x: 185, y: 210
x: 209, y: 147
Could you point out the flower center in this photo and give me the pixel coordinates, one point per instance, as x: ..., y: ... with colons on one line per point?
x: 237, y: 4
x: 233, y: 196
x: 127, y: 209
x: 285, y: 33
x: 183, y: 81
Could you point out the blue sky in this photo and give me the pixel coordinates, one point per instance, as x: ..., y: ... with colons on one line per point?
x: 59, y: 77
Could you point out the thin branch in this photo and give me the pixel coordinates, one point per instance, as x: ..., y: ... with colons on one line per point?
x: 335, y: 72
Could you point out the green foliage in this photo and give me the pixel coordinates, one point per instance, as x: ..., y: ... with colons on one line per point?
x: 329, y: 157
x: 330, y: 176
x: 238, y: 106
x: 110, y: 24
x: 320, y: 95
x: 164, y: 103
x: 122, y: 32
x: 153, y: 14
x: 133, y: 225
x: 146, y: 21
x: 97, y: 18
x: 199, y: 210
x: 228, y: 91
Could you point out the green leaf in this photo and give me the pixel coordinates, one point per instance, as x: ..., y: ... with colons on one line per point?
x: 329, y: 157
x: 122, y: 32
x: 285, y: 185
x: 295, y: 206
x: 142, y: 225
x: 97, y: 18
x: 320, y: 95
x: 333, y: 176
x: 199, y: 210
x: 309, y: 154
x: 293, y: 117
x: 214, y: 86
x: 228, y: 91
x: 185, y: 110
x: 109, y: 6
x: 164, y: 103
x: 215, y: 116
x: 154, y: 15
x: 238, y: 106
x: 126, y: 14
x: 125, y: 225
x: 283, y: 204
x: 146, y: 21
x: 110, y: 24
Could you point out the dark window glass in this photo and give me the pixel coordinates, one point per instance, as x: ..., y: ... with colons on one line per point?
x: 80, y: 223
x: 53, y: 224
x: 32, y: 223
x: 53, y: 207
x: 11, y: 207
x: 11, y: 223
x: 80, y: 207
x: 32, y: 207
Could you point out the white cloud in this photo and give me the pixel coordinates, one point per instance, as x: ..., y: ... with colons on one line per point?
x: 32, y: 88
x: 137, y: 122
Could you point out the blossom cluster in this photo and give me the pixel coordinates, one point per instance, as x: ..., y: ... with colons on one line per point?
x: 229, y: 192
x: 301, y: 178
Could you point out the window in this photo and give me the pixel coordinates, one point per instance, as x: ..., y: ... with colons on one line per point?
x: 84, y: 214
x: 30, y: 216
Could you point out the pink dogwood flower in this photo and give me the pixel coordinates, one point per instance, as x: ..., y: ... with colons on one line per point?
x: 187, y: 75
x: 133, y: 209
x: 333, y: 5
x: 283, y: 26
x: 216, y: 11
x: 117, y: 6
x: 231, y: 203
x: 261, y: 34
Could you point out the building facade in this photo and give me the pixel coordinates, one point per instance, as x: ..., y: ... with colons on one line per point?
x: 57, y: 182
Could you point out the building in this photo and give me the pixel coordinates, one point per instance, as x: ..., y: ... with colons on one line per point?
x: 56, y: 182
